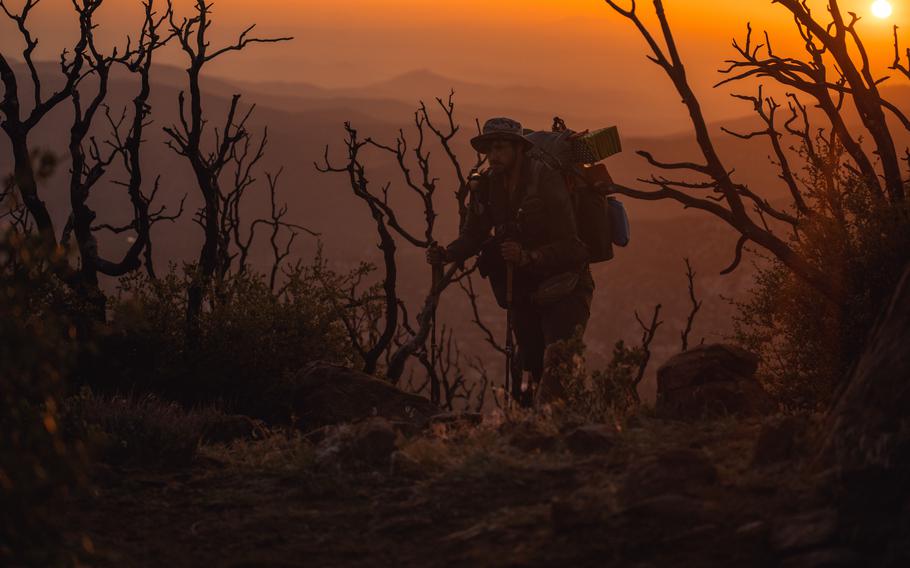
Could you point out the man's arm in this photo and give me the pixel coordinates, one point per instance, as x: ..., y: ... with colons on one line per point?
x: 477, y: 225
x: 564, y: 250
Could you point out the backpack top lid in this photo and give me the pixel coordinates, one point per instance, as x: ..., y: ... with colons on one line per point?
x: 564, y: 148
x: 555, y: 148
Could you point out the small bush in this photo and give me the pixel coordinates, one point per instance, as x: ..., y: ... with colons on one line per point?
x: 248, y: 339
x: 807, y: 342
x: 606, y: 395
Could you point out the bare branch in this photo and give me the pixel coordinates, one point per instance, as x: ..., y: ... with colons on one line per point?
x: 648, y: 333
x: 696, y: 305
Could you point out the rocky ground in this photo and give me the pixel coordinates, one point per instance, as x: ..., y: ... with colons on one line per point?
x: 366, y: 475
x: 508, y: 491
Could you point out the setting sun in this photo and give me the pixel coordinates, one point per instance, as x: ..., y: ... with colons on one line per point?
x: 881, y: 9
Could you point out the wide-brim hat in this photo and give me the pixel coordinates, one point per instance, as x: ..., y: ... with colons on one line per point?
x: 500, y: 128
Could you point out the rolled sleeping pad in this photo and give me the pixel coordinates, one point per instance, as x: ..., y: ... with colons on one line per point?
x: 596, y: 146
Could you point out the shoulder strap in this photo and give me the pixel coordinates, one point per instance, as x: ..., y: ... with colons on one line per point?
x: 536, y: 170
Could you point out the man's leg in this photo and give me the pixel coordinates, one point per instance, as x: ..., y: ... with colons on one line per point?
x: 560, y: 321
x: 526, y: 324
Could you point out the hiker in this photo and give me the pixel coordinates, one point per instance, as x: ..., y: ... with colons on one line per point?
x: 520, y: 214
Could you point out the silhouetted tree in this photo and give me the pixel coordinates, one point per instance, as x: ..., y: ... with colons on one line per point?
x: 844, y: 231
x: 86, y: 72
x: 718, y: 192
x: 231, y: 147
x: 399, y: 339
x: 18, y: 125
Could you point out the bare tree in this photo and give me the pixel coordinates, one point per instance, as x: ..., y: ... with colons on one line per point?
x: 467, y: 286
x: 446, y: 369
x: 399, y: 340
x: 90, y: 159
x: 445, y: 134
x: 384, y: 217
x: 717, y: 191
x: 18, y: 125
x: 187, y: 140
x: 14, y: 212
x: 86, y: 72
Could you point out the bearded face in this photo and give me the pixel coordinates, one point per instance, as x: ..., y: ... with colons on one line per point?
x: 502, y: 156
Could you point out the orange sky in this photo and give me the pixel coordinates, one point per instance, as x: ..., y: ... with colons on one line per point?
x: 579, y: 43
x: 509, y: 38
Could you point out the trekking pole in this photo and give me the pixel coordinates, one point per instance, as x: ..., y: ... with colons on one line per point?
x: 509, y: 343
x: 437, y: 272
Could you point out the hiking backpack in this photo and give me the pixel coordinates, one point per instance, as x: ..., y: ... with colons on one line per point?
x: 602, y: 220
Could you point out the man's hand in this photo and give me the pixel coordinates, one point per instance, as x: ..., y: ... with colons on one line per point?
x: 514, y: 254
x: 437, y: 255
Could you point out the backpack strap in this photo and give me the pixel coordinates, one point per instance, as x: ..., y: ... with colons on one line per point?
x: 536, y: 170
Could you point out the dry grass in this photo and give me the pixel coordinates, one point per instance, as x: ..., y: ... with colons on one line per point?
x: 279, y: 452
x: 488, y: 447
x: 139, y: 430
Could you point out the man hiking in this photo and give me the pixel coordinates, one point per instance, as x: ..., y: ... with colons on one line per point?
x: 520, y: 220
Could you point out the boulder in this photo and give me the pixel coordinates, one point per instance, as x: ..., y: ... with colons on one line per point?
x: 322, y: 393
x: 711, y: 380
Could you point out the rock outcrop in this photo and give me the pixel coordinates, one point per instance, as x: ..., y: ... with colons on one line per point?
x: 869, y: 426
x: 711, y: 380
x: 867, y: 441
x: 323, y: 393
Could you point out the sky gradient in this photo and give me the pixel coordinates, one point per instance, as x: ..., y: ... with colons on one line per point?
x: 352, y: 42
x: 577, y: 45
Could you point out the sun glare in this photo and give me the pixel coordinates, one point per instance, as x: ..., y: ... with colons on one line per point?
x: 881, y: 8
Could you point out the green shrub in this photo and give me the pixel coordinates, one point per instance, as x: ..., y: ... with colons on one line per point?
x: 605, y: 395
x: 248, y: 339
x: 807, y: 342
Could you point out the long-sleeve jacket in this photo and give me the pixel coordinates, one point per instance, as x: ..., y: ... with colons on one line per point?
x: 493, y: 217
